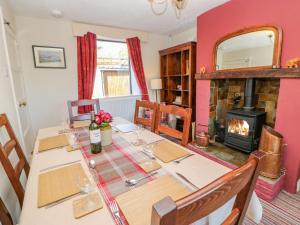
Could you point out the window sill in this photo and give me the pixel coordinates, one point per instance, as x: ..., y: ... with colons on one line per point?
x: 119, y: 98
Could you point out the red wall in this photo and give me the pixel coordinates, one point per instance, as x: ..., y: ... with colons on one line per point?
x: 238, y: 14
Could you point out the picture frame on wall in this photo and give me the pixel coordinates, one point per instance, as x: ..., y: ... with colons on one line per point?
x: 49, y: 57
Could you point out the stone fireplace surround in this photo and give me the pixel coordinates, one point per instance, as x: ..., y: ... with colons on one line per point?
x: 217, y: 23
x: 223, y: 92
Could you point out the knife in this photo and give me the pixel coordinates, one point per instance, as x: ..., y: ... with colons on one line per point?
x: 186, y: 180
x: 59, y: 165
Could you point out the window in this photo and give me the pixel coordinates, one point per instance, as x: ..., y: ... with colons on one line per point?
x: 114, y: 76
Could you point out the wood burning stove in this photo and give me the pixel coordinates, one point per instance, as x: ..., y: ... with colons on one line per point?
x: 243, y: 126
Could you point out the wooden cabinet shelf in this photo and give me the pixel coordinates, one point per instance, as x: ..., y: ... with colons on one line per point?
x: 178, y: 104
x: 175, y: 75
x: 177, y: 69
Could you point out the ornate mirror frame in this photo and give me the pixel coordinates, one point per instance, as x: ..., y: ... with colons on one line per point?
x: 277, y: 46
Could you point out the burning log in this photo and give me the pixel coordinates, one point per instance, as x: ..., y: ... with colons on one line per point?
x: 237, y: 126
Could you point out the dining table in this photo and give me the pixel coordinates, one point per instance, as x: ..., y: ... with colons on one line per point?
x: 109, y: 175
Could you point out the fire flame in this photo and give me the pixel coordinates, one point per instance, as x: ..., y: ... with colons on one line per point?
x: 237, y: 126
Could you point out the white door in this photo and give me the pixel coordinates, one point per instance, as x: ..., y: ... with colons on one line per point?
x: 15, y: 70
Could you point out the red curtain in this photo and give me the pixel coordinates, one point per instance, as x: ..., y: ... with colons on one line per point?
x: 87, y: 66
x: 135, y: 55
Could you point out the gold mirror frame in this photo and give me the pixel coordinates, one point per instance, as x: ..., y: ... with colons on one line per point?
x: 277, y: 46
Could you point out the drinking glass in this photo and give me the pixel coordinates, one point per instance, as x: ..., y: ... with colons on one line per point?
x: 86, y: 187
x: 149, y: 148
x: 65, y: 122
x: 139, y: 141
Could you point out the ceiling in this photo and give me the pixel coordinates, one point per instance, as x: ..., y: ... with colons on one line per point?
x: 130, y: 14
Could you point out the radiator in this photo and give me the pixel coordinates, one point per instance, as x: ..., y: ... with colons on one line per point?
x: 120, y: 106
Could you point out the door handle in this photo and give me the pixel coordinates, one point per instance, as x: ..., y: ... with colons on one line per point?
x: 22, y: 104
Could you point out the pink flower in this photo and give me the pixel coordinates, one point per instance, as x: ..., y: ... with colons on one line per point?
x: 103, y: 117
x: 98, y: 119
x: 107, y: 117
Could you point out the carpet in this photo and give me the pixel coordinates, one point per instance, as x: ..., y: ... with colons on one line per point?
x: 283, y: 210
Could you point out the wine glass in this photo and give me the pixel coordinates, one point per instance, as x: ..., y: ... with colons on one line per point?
x: 138, y: 130
x: 149, y: 149
x: 65, y: 122
x: 86, y: 187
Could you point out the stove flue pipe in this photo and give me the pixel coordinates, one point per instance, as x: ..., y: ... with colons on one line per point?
x: 249, y: 94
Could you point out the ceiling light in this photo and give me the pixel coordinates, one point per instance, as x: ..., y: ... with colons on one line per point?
x: 57, y: 13
x: 159, y: 7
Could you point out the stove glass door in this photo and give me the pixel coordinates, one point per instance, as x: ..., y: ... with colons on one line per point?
x: 238, y: 126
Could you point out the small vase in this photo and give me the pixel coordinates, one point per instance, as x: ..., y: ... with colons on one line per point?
x: 106, y: 135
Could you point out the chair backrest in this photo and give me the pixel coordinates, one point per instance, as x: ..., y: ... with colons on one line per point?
x: 13, y: 173
x: 148, y: 122
x: 83, y: 102
x: 184, y: 113
x: 239, y: 182
x: 5, y: 217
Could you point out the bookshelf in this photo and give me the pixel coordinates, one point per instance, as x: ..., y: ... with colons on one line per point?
x: 177, y: 71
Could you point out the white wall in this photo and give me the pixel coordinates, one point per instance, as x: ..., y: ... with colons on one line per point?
x: 7, y: 12
x: 151, y: 59
x: 183, y: 36
x: 49, y: 89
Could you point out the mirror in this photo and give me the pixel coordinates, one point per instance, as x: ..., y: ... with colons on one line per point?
x: 250, y: 48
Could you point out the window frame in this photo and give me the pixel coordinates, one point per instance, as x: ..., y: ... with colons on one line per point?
x: 129, y: 66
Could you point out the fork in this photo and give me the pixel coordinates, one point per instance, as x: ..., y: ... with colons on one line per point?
x: 115, y: 209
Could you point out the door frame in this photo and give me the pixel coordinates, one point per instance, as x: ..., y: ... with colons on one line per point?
x: 10, y: 76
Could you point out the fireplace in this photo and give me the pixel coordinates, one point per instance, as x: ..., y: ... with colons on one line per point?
x: 243, y: 129
x: 243, y: 125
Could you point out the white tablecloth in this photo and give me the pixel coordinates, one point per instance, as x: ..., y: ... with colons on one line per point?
x: 198, y: 169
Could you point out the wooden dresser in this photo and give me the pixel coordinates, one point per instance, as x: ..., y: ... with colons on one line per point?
x: 177, y: 71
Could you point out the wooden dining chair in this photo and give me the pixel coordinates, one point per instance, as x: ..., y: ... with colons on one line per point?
x: 5, y: 217
x: 83, y: 102
x: 150, y: 121
x: 13, y: 172
x: 184, y: 113
x: 239, y: 182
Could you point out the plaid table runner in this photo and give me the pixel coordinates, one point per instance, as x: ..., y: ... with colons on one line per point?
x: 115, y: 164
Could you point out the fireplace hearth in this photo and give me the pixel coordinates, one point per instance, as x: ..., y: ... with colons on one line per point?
x: 244, y: 125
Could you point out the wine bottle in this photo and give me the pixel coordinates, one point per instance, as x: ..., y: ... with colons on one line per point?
x: 95, y: 136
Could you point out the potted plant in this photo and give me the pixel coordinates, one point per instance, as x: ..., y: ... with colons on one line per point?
x: 103, y: 119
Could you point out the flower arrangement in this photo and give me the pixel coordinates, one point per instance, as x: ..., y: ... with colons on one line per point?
x: 103, y: 119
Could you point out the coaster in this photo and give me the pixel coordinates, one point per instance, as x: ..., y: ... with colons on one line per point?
x: 79, y: 205
x: 150, y: 166
x: 71, y: 148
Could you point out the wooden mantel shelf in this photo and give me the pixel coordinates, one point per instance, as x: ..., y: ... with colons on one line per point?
x: 263, y: 73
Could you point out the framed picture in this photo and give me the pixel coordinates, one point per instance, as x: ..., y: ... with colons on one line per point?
x: 49, y: 57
